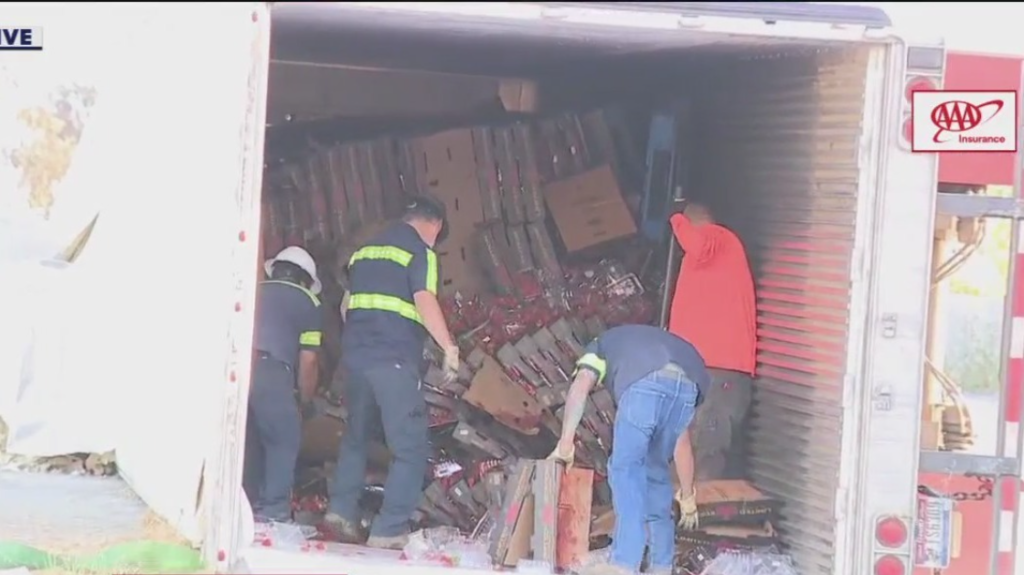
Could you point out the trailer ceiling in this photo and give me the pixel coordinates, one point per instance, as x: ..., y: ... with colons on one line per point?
x: 478, y: 42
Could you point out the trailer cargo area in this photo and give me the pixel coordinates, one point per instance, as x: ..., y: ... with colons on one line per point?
x: 774, y: 139
x: 784, y: 117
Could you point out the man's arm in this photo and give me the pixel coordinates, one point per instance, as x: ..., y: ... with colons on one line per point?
x: 590, y: 369
x: 684, y: 462
x: 424, y: 281
x: 699, y: 243
x: 309, y: 374
x: 433, y: 318
x: 575, y: 404
x: 309, y: 347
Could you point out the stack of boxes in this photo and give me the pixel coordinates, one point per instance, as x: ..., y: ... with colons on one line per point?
x: 497, y: 183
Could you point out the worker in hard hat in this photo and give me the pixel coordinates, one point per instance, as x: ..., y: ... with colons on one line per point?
x: 656, y: 379
x: 286, y: 340
x: 390, y: 309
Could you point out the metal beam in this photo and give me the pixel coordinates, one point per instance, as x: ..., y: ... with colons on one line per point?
x: 973, y: 206
x: 952, y: 463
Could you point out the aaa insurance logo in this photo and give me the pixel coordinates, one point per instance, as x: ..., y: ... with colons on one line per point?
x: 966, y: 121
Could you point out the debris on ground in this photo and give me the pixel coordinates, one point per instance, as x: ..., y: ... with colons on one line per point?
x: 98, y: 464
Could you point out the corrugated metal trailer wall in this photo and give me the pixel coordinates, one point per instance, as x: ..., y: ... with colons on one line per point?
x: 789, y: 130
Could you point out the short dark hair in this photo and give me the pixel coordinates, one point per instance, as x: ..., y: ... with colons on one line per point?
x: 425, y: 206
x: 288, y: 271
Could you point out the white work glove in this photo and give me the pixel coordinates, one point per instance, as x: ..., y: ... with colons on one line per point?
x: 451, y: 363
x: 564, y: 452
x: 688, y: 519
x: 343, y: 308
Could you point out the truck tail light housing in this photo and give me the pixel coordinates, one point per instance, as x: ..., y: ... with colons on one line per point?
x: 918, y: 84
x: 925, y: 65
x: 907, y: 130
x: 891, y: 532
x: 890, y: 565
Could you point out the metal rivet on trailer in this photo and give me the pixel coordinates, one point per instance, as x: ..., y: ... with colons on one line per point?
x: 255, y: 16
x: 232, y: 377
x: 221, y: 555
x: 238, y: 306
x: 241, y: 236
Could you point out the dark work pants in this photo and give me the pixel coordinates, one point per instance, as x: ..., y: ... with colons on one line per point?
x: 273, y: 439
x: 394, y: 394
x: 720, y: 427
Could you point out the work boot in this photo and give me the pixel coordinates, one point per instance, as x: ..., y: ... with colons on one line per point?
x: 339, y: 529
x: 396, y: 542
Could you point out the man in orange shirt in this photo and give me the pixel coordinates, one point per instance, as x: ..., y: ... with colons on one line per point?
x: 713, y: 308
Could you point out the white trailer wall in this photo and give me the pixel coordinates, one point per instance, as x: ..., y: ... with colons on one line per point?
x: 132, y: 344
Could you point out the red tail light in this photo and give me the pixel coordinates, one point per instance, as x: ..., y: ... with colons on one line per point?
x: 891, y: 532
x: 918, y: 84
x: 889, y: 565
x: 914, y: 83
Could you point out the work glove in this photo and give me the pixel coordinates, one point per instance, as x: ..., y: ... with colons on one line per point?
x: 451, y: 363
x: 688, y: 519
x: 564, y: 453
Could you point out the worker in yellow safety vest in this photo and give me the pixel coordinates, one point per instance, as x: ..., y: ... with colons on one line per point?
x: 286, y: 342
x: 390, y: 309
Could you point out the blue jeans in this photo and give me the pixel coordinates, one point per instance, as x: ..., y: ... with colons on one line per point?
x: 394, y: 394
x: 652, y: 414
x: 273, y: 440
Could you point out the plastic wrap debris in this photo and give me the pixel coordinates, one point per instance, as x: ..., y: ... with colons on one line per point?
x: 595, y: 557
x: 282, y: 535
x: 627, y: 286
x: 446, y: 469
x: 531, y: 566
x: 446, y: 546
x: 756, y: 563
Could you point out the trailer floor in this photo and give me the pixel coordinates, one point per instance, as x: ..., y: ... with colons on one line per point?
x: 336, y: 558
x: 66, y: 513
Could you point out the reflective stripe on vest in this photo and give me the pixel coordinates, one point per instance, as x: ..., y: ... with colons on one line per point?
x: 390, y: 303
x: 382, y: 302
x: 595, y: 363
x: 310, y: 338
x: 431, y: 271
x: 388, y: 253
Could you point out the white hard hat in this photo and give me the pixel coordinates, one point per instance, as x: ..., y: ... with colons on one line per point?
x: 299, y: 257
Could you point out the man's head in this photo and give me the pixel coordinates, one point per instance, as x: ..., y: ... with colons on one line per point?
x: 699, y: 214
x: 294, y: 264
x: 428, y: 216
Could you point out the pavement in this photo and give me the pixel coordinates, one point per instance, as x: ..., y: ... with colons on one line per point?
x: 56, y: 512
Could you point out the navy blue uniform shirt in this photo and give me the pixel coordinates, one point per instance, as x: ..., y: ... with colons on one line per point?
x: 382, y: 326
x: 625, y: 354
x: 288, y: 319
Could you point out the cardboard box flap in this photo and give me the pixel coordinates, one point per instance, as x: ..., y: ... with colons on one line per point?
x: 734, y: 502
x: 588, y: 209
